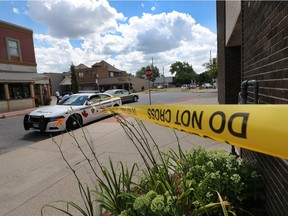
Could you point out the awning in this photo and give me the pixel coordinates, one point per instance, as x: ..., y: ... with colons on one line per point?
x: 12, y: 77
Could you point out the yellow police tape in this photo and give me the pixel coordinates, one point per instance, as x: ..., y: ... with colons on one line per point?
x: 262, y: 128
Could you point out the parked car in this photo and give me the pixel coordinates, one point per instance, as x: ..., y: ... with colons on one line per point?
x: 125, y: 95
x: 192, y: 86
x: 206, y: 85
x: 185, y: 87
x: 79, y: 109
x: 65, y: 97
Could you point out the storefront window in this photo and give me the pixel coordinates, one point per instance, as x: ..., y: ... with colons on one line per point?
x: 19, y: 90
x: 2, y: 92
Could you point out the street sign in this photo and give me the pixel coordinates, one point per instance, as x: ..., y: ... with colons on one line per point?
x: 148, y: 72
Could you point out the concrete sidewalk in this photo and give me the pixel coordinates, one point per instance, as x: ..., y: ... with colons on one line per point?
x: 25, y: 111
x: 36, y: 175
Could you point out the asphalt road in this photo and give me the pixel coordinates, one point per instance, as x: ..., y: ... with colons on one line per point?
x: 14, y: 136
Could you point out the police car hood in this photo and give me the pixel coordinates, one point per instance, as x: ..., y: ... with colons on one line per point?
x: 55, y: 110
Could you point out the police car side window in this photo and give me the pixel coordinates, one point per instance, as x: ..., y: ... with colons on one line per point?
x: 94, y: 99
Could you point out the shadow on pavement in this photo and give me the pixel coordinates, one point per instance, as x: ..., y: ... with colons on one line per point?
x: 36, y: 136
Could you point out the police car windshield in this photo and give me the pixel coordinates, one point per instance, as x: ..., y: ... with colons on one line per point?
x: 75, y: 100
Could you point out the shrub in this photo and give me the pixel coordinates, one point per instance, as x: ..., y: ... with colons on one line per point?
x: 37, y: 102
x: 196, y: 177
x: 47, y: 101
x: 172, y: 183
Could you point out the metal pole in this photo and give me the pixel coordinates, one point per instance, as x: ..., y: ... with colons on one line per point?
x: 150, y: 83
x: 149, y: 93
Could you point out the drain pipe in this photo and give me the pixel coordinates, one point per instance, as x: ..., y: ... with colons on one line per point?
x: 243, y: 94
x: 243, y: 100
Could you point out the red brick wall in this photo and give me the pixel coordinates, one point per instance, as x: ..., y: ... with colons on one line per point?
x: 25, y: 37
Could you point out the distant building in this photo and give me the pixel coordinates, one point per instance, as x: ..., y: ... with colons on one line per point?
x: 100, y: 77
x: 103, y: 76
x: 21, y: 87
x: 166, y: 82
x: 59, y: 81
x: 253, y: 46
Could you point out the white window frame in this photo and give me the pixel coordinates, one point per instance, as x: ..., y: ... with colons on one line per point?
x: 17, y: 48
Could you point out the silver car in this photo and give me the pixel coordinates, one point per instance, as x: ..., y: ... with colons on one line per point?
x: 125, y: 95
x: 77, y: 110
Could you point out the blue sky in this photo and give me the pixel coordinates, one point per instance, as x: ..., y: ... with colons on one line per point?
x: 126, y: 34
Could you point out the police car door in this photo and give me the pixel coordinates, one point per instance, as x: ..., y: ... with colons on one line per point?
x: 105, y: 100
x: 93, y: 107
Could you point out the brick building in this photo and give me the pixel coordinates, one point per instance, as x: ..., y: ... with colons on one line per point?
x: 20, y: 84
x: 253, y: 46
x: 103, y: 76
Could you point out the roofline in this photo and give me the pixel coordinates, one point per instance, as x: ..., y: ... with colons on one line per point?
x: 15, y: 27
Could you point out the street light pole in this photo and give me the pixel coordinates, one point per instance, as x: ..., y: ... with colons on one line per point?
x: 148, y: 75
x: 97, y: 82
x: 150, y: 82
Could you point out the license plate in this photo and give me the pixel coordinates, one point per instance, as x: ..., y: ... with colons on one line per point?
x: 35, y: 125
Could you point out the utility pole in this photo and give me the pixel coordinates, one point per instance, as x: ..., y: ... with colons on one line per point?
x: 152, y: 73
x: 163, y: 78
x: 210, y: 58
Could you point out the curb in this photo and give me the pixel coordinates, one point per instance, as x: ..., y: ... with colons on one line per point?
x: 16, y: 113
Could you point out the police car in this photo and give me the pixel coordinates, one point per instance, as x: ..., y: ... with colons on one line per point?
x: 77, y: 110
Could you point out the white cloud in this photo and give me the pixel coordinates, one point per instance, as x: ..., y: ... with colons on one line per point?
x: 16, y: 10
x: 56, y: 55
x: 130, y: 45
x: 153, y: 9
x: 76, y: 18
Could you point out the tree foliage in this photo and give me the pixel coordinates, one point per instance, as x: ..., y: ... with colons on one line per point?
x: 74, y: 80
x: 204, y: 78
x: 211, y: 68
x: 184, y: 73
x: 141, y: 73
x: 130, y: 74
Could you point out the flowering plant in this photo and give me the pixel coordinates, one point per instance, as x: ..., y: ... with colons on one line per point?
x: 196, y: 182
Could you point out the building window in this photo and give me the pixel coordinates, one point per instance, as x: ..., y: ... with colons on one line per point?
x: 111, y: 74
x: 13, y: 49
x: 80, y: 75
x: 19, y: 90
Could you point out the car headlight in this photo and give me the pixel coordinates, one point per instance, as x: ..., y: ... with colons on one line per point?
x: 56, y: 118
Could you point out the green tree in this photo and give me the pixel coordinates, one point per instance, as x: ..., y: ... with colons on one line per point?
x: 74, y: 80
x: 204, y: 78
x: 184, y: 73
x: 142, y: 71
x: 211, y: 68
x: 130, y: 74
